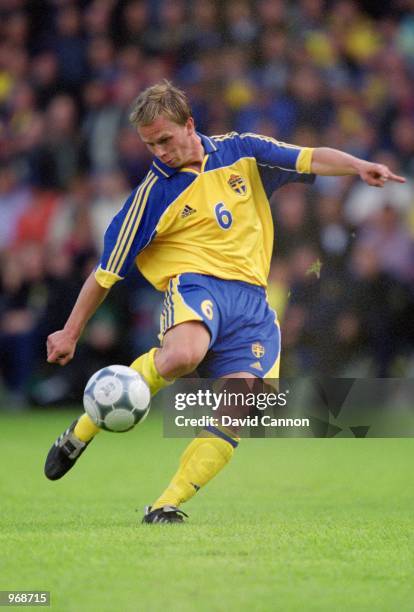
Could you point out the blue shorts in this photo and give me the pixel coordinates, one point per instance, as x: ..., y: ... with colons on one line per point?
x: 245, y: 334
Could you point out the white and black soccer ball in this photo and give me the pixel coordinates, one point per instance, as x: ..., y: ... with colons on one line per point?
x: 117, y: 398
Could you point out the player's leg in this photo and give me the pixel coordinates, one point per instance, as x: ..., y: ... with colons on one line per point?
x: 246, y: 343
x: 184, y: 346
x: 201, y: 461
x: 181, y: 328
x: 180, y: 352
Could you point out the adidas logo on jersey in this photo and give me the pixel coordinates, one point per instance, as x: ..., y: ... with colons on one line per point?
x: 187, y: 211
x: 257, y: 366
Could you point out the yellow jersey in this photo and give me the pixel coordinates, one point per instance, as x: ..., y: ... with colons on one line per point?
x: 216, y: 222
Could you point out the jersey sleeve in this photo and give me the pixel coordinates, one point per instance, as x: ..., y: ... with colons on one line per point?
x: 275, y: 154
x: 274, y: 178
x: 128, y: 233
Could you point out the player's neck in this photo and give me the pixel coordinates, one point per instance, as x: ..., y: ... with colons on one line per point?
x: 196, y: 154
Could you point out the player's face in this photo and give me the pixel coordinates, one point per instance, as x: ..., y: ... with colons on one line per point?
x: 172, y: 143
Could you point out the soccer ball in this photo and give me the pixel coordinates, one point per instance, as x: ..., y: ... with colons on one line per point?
x: 116, y: 398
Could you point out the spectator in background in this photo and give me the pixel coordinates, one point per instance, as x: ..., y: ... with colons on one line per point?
x: 23, y: 295
x: 101, y: 59
x: 382, y: 307
x: 294, y: 226
x: 206, y: 28
x: 70, y: 226
x: 402, y: 135
x: 111, y: 191
x: 333, y: 236
x: 388, y: 237
x: 172, y: 35
x: 44, y: 77
x: 133, y: 25
x: 97, y: 17
x: 100, y: 126
x: 15, y: 199
x: 133, y: 156
x: 69, y: 46
x: 61, y: 151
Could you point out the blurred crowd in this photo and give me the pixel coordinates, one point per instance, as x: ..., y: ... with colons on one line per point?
x: 311, y: 72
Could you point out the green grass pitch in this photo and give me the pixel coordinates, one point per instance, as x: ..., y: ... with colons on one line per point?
x: 293, y: 524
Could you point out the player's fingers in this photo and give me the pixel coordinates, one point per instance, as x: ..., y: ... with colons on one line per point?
x: 396, y: 177
x: 56, y: 357
x: 375, y: 181
x: 50, y: 347
x: 62, y: 361
x: 386, y: 174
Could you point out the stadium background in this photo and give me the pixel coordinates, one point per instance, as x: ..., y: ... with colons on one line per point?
x: 310, y: 524
x: 311, y: 72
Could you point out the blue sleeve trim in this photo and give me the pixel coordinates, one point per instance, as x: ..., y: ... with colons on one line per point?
x: 220, y: 434
x: 273, y: 178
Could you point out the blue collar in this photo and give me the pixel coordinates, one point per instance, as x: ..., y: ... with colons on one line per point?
x: 208, y: 144
x: 161, y: 169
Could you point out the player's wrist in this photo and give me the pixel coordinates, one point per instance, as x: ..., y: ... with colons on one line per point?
x: 360, y: 166
x: 73, y: 332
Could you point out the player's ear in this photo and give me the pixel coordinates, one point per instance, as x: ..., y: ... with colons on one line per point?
x: 190, y: 125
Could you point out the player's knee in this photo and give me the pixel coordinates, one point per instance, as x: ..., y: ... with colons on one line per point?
x: 183, y: 359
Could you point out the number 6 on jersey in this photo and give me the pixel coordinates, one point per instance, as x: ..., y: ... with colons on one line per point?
x: 223, y: 216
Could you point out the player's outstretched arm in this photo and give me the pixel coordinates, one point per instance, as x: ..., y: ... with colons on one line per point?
x: 61, y: 344
x: 331, y: 162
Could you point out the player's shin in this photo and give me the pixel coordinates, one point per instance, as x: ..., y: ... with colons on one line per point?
x: 203, y: 459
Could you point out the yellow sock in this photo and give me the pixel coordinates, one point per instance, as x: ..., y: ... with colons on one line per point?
x: 145, y: 365
x: 204, y: 457
x: 85, y: 428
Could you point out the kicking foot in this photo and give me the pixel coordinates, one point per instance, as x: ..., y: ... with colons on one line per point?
x: 64, y: 453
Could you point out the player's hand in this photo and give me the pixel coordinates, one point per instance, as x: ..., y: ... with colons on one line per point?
x: 60, y: 347
x: 377, y: 175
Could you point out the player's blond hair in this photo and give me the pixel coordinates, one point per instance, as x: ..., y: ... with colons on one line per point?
x: 160, y: 99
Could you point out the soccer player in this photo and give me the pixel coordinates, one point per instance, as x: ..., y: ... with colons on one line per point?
x: 199, y: 228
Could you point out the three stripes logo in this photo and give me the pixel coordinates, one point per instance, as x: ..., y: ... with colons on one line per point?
x: 257, y: 365
x: 130, y: 225
x: 187, y: 211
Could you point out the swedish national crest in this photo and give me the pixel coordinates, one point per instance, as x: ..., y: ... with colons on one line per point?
x: 258, y: 350
x: 238, y: 184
